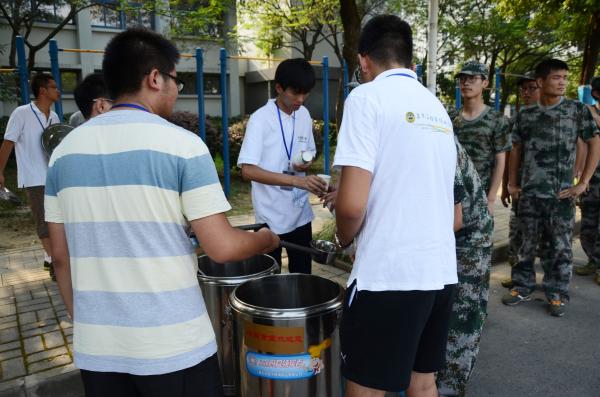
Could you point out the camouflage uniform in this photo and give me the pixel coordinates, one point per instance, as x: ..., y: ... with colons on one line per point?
x: 514, y: 237
x: 548, y: 137
x: 474, y: 257
x: 590, y: 219
x: 483, y: 138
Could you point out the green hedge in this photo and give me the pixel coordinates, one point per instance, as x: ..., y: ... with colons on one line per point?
x: 237, y: 129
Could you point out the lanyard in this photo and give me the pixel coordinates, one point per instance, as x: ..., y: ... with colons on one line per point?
x: 289, y: 154
x: 38, y: 119
x: 402, y: 74
x: 130, y: 105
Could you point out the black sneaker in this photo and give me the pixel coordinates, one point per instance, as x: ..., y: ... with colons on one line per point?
x: 514, y: 298
x: 557, y: 308
x: 47, y: 265
x: 52, y: 274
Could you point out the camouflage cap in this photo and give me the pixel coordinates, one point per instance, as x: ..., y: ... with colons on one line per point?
x: 596, y: 83
x: 528, y: 76
x: 474, y: 68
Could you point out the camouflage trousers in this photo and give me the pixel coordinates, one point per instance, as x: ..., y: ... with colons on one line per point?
x: 590, y: 225
x: 515, y: 240
x: 550, y: 220
x: 514, y: 237
x: 469, y: 311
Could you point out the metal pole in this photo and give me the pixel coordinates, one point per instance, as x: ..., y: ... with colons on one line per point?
x: 457, y: 96
x: 326, y: 114
x: 224, y: 120
x: 23, y: 75
x: 200, y: 93
x: 432, y: 36
x: 345, y: 79
x: 419, y: 71
x: 56, y: 75
x: 497, y: 96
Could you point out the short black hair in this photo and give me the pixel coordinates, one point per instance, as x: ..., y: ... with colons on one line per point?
x: 38, y: 81
x: 547, y: 66
x: 385, y: 39
x: 131, y: 55
x: 295, y: 73
x: 90, y: 88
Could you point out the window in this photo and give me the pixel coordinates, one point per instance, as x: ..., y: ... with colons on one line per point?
x: 212, y: 83
x: 107, y: 14
x: 50, y: 11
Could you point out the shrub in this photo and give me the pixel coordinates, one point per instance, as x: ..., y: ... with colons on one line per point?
x: 237, y: 129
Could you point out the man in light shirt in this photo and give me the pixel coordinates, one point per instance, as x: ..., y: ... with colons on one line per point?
x: 24, y: 133
x: 121, y: 190
x: 397, y: 157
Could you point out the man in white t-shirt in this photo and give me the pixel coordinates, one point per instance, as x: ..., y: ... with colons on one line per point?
x: 277, y: 151
x: 397, y: 157
x: 24, y: 133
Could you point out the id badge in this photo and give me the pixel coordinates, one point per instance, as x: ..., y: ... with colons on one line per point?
x: 288, y: 172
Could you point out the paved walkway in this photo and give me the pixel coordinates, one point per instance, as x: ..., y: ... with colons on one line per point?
x: 36, y: 335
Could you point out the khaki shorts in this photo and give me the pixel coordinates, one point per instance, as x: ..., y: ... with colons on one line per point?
x: 35, y: 195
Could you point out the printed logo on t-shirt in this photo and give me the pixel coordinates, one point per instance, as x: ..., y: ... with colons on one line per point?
x: 410, y: 117
x: 302, y: 139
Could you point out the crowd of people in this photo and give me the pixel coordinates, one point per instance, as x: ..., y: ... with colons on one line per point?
x: 123, y: 189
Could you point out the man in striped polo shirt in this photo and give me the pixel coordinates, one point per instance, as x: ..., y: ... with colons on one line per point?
x: 121, y: 190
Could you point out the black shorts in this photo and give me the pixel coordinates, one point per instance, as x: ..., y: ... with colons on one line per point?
x: 386, y: 335
x: 201, y: 380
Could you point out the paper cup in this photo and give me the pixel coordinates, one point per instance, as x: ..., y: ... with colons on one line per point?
x: 326, y: 178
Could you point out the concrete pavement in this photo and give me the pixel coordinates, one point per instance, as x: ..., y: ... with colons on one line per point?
x: 553, y: 356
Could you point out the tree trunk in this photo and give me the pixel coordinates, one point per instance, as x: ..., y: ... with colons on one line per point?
x: 12, y: 57
x: 351, y: 25
x: 591, y: 49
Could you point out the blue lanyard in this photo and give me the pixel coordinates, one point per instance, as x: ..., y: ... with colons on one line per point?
x: 38, y: 119
x: 130, y: 105
x: 289, y: 154
x: 402, y: 74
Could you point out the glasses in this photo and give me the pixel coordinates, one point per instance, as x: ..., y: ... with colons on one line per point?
x: 102, y: 99
x: 178, y: 82
x: 528, y: 88
x: 357, y: 75
x: 469, y: 78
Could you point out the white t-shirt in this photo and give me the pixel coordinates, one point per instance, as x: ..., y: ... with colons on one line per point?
x: 396, y: 129
x: 263, y: 146
x: 25, y: 130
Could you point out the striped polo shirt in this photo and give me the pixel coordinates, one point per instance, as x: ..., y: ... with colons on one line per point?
x: 125, y: 184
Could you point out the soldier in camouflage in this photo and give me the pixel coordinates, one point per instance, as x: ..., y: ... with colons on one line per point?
x: 482, y: 131
x: 474, y: 257
x: 590, y: 207
x: 544, y: 147
x: 529, y: 95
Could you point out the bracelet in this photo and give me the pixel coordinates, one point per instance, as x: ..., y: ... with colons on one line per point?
x: 338, y: 243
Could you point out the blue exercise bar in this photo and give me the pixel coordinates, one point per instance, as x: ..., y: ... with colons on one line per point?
x: 23, y: 74
x: 497, y: 92
x: 326, y: 115
x: 225, y: 121
x: 345, y: 79
x: 56, y: 75
x: 200, y: 93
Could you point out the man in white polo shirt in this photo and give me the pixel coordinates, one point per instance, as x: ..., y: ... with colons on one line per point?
x: 277, y: 136
x: 24, y: 133
x: 395, y: 197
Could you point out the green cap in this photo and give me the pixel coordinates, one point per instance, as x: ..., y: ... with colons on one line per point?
x: 474, y: 68
x: 528, y: 76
